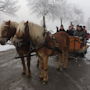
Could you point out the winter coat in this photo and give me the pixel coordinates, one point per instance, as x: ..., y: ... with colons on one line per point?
x: 70, y: 32
x: 62, y: 30
x: 80, y: 33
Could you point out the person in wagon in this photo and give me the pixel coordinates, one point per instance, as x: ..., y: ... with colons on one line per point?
x: 70, y: 30
x: 62, y: 28
x: 57, y: 29
x: 84, y: 29
x: 80, y: 32
x: 86, y: 34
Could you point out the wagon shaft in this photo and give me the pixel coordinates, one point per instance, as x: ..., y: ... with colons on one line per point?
x: 24, y: 56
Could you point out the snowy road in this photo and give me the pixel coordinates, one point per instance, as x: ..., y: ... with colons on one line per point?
x: 76, y: 77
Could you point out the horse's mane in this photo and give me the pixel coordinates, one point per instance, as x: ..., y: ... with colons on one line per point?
x: 36, y: 31
x: 6, y: 24
x: 14, y: 24
x: 20, y: 28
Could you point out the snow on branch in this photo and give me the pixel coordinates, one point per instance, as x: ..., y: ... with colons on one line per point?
x: 8, y: 6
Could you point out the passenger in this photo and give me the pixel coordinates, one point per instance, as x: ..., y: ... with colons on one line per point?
x: 79, y: 32
x: 84, y: 28
x: 77, y: 27
x: 62, y: 28
x: 86, y: 34
x: 57, y: 29
x: 72, y: 27
x: 70, y: 30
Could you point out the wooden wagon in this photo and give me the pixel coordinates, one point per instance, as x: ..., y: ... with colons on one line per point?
x: 77, y: 46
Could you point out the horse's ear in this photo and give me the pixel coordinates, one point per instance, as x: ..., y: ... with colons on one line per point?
x: 8, y: 22
x: 26, y: 22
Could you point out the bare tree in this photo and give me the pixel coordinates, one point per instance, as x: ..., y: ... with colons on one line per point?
x: 88, y: 24
x: 69, y: 12
x: 57, y: 9
x: 43, y: 8
x: 77, y: 16
x: 8, y: 6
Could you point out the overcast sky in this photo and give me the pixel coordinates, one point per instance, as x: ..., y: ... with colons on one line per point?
x: 82, y: 4
x: 24, y: 12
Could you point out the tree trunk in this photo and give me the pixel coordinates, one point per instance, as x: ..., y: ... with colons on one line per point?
x: 61, y: 21
x: 44, y: 23
x: 71, y: 23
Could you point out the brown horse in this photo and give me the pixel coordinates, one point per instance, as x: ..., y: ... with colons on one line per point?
x: 30, y: 35
x: 58, y: 45
x: 7, y: 31
x: 32, y: 32
x: 61, y: 44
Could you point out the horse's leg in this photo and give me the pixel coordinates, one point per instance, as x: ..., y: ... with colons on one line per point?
x: 45, y: 69
x: 22, y: 61
x: 28, y: 66
x: 24, y: 67
x: 60, y: 62
x: 40, y: 67
x: 65, y: 66
x: 38, y: 63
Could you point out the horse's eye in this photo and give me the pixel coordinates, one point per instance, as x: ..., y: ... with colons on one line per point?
x: 4, y: 33
x: 5, y: 30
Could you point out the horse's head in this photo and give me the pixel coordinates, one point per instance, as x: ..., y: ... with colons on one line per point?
x: 28, y: 31
x: 7, y: 30
x: 49, y: 40
x: 22, y: 34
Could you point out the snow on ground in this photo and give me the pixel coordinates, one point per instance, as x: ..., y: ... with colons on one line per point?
x: 88, y: 54
x: 88, y: 51
x: 6, y: 47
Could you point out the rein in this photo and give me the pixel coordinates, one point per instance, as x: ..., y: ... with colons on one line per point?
x: 35, y: 50
x: 53, y: 48
x: 10, y: 32
x: 53, y: 39
x: 25, y: 56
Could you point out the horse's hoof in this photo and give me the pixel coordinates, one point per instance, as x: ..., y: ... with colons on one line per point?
x: 64, y: 69
x: 45, y: 82
x: 59, y: 69
x: 40, y: 78
x: 37, y: 65
x: 23, y: 73
x: 29, y: 75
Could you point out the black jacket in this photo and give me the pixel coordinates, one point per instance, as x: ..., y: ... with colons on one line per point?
x: 70, y: 32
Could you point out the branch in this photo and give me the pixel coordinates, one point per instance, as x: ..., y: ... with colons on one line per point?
x: 8, y: 6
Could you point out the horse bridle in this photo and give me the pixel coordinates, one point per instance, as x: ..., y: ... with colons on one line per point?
x: 8, y: 36
x: 53, y: 39
x: 25, y: 39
